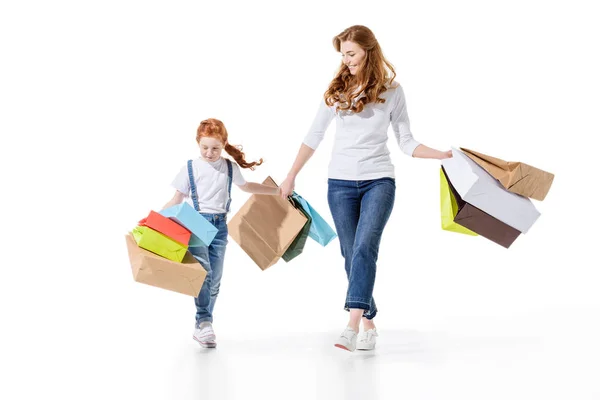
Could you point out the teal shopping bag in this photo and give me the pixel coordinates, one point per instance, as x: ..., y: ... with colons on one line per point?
x: 203, y: 232
x: 320, y: 231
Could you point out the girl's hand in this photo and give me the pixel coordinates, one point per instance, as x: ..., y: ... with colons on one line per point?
x: 287, y: 187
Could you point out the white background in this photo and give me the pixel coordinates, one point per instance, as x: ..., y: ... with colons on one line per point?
x: 99, y: 106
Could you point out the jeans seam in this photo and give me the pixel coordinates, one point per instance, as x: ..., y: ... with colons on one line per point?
x: 352, y: 300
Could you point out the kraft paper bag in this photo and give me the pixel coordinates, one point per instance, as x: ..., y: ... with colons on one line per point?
x: 265, y: 226
x: 185, y: 277
x: 516, y: 177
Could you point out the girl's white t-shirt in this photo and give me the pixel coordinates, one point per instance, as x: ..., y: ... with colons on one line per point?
x: 211, y: 184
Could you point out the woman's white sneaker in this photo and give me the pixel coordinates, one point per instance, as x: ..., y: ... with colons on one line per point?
x: 347, y: 340
x: 366, y: 340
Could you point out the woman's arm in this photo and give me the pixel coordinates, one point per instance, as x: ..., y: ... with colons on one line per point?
x: 304, y: 154
x: 401, y: 126
x: 313, y: 138
x: 422, y: 151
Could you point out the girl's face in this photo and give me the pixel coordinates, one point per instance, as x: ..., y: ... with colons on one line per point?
x: 352, y: 56
x: 210, y: 148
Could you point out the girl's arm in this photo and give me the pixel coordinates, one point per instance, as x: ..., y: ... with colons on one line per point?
x: 259, y: 188
x: 177, y: 198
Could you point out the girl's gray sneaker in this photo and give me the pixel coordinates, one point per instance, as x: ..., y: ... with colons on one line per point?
x: 205, y: 335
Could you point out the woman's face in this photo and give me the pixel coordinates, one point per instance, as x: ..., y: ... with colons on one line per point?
x: 352, y: 56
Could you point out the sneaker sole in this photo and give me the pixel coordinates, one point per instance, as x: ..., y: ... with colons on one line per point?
x: 341, y: 346
x: 206, y: 345
x: 365, y: 348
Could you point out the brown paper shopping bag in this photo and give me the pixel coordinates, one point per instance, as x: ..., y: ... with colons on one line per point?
x: 265, y: 226
x: 516, y: 177
x: 185, y: 277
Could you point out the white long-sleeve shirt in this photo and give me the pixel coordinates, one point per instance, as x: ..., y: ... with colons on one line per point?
x: 360, y: 145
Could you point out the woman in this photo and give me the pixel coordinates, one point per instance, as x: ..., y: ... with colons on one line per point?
x: 364, y: 99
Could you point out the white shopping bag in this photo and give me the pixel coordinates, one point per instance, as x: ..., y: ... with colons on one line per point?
x: 480, y: 189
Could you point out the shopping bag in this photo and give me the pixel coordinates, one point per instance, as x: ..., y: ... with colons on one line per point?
x: 516, y: 177
x: 449, y: 208
x: 478, y: 188
x: 167, y: 227
x: 480, y: 222
x: 156, y: 242
x: 297, y: 246
x: 185, y: 277
x: 265, y: 226
x: 320, y: 231
x: 203, y: 232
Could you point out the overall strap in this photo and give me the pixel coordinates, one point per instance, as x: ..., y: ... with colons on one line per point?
x: 229, y: 180
x: 193, y: 185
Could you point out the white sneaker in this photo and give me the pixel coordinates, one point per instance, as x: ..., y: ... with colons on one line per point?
x: 347, y: 340
x: 205, y: 335
x: 366, y: 340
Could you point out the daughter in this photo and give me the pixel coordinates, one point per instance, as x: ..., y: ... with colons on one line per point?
x: 205, y: 183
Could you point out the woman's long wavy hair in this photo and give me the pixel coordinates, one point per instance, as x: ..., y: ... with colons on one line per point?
x: 373, y: 75
x: 214, y: 128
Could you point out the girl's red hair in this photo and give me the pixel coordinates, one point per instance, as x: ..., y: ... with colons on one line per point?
x: 214, y: 128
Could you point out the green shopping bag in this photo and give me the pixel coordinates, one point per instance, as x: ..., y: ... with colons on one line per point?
x: 299, y: 241
x: 449, y: 208
x: 158, y: 243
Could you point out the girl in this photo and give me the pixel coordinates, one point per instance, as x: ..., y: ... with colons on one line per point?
x: 364, y: 99
x: 205, y: 183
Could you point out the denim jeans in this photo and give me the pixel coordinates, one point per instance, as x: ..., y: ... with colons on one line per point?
x: 212, y: 259
x: 360, y: 211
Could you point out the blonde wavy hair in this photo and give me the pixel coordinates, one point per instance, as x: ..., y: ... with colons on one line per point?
x: 373, y: 77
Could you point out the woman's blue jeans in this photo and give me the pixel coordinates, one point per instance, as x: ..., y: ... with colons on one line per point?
x: 360, y: 211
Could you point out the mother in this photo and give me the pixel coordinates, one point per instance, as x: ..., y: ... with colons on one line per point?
x: 365, y: 100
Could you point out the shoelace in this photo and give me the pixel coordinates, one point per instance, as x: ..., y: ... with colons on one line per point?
x: 348, y: 333
x: 206, y: 331
x: 369, y: 336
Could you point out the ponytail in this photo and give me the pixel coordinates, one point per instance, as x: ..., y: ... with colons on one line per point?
x: 240, y: 158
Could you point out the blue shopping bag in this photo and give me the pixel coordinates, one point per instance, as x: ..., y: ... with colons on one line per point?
x: 203, y: 232
x: 320, y: 231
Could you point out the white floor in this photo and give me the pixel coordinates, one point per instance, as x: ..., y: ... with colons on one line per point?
x: 552, y: 354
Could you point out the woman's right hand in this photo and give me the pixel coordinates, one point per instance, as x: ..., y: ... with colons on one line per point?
x: 287, y: 187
